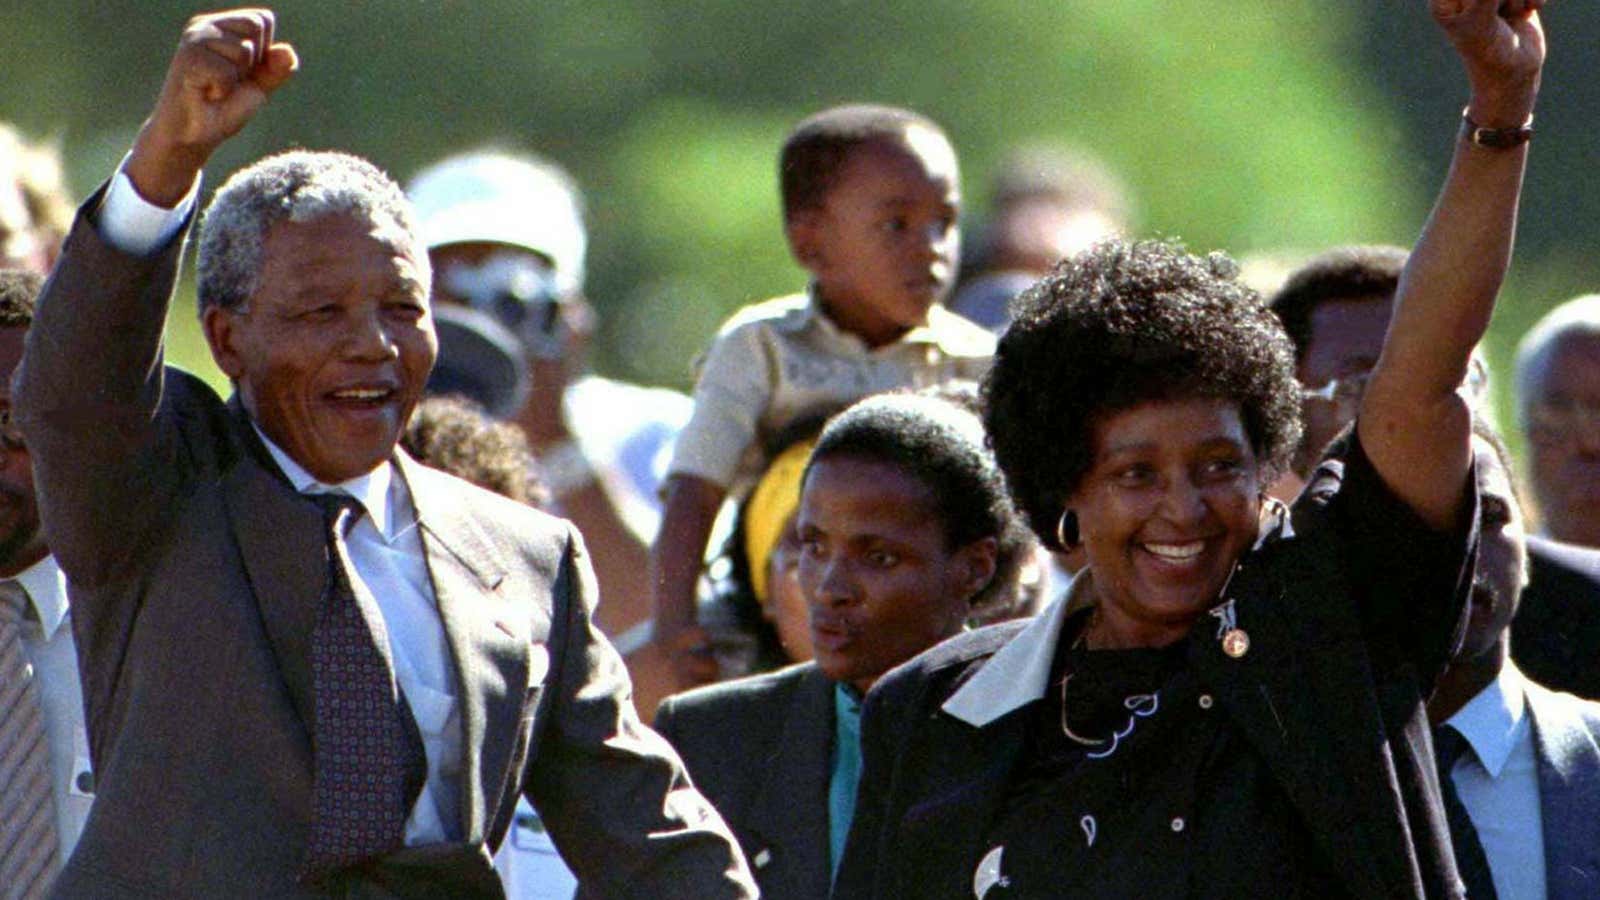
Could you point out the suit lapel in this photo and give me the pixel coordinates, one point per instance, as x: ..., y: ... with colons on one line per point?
x: 1569, y: 793
x: 789, y: 816
x: 280, y: 539
x: 492, y: 643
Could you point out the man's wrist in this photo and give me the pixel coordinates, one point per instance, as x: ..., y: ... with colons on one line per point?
x: 162, y: 172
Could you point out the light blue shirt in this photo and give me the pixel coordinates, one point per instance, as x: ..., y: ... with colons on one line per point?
x: 1499, y: 785
x: 846, y: 774
x: 47, y: 643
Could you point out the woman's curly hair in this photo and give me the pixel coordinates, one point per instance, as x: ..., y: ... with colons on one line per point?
x: 1118, y: 325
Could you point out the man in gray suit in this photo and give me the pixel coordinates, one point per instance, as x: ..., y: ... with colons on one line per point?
x: 311, y: 666
x: 1519, y: 764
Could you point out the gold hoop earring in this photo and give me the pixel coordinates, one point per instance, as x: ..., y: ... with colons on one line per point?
x: 1067, y: 530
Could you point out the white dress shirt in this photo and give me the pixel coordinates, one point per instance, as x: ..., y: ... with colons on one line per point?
x: 47, y: 643
x: 1499, y: 785
x: 385, y: 548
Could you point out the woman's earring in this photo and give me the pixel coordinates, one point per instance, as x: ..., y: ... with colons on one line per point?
x: 1067, y: 530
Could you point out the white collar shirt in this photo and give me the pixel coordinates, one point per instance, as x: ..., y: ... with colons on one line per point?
x: 386, y: 550
x: 1499, y: 784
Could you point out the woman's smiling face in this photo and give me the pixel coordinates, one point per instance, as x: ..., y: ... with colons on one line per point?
x: 1170, y: 503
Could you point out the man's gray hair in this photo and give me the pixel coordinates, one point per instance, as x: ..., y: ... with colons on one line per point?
x: 1578, y: 316
x: 296, y: 186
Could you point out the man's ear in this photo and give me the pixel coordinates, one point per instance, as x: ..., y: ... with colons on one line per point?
x: 222, y: 335
x: 977, y: 563
x: 804, y: 231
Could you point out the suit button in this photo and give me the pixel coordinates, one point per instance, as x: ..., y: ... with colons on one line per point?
x: 85, y: 782
x: 1178, y: 824
x: 1205, y: 701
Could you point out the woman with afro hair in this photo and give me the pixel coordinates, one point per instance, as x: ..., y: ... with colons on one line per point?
x: 1229, y: 701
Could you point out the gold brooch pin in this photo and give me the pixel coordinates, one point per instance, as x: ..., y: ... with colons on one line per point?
x: 1235, y: 641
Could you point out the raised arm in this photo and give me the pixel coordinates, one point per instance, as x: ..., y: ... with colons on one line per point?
x: 1414, y: 424
x: 90, y: 388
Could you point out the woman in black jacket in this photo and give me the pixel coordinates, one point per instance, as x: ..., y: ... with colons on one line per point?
x: 1229, y: 702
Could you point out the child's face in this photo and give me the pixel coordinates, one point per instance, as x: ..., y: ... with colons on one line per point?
x: 883, y: 245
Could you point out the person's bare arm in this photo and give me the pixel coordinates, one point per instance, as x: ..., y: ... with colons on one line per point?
x: 1414, y: 424
x: 687, y: 515
x: 88, y: 392
x: 621, y: 558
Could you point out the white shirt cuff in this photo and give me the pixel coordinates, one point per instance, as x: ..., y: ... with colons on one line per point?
x: 133, y: 224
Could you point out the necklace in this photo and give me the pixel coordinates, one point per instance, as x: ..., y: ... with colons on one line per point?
x: 1139, y: 706
x: 1067, y: 729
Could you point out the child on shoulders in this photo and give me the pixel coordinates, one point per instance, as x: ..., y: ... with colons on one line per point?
x: 871, y: 196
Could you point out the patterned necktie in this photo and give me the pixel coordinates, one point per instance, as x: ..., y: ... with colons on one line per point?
x: 1473, y: 863
x: 28, y: 843
x: 370, y: 762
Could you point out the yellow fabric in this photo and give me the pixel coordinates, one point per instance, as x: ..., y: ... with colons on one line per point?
x: 772, y: 503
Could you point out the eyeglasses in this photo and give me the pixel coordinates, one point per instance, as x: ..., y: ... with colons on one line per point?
x: 1551, y: 421
x: 1349, y: 389
x: 518, y: 290
x: 1339, y: 391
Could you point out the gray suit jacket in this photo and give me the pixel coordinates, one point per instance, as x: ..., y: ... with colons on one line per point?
x: 195, y: 569
x: 1566, y: 740
x: 760, y: 749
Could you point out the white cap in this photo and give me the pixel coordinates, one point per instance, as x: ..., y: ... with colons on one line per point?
x: 502, y: 199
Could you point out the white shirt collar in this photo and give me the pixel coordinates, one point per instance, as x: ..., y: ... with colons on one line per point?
x: 372, y: 489
x: 47, y: 589
x: 1493, y: 721
x: 1019, y: 673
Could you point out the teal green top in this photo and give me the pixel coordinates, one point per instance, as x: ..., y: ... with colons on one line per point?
x: 846, y: 769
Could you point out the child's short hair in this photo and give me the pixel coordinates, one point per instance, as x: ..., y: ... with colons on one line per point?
x: 817, y: 148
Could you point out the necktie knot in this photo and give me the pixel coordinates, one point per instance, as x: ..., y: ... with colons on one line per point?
x: 340, y: 512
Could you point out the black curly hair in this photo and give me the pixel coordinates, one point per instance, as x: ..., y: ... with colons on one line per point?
x: 939, y: 442
x: 452, y: 433
x: 1121, y: 324
x: 19, y: 288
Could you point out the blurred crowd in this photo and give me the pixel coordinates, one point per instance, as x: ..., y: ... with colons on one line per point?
x: 993, y: 459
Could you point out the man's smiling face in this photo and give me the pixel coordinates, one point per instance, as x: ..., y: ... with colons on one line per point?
x: 333, y: 348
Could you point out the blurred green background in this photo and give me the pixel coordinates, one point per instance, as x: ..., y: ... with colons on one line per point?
x: 1278, y: 127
